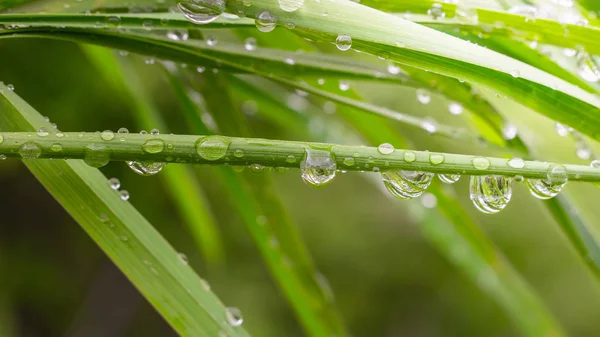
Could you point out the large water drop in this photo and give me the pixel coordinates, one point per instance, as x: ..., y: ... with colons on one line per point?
x: 145, y: 168
x: 212, y: 147
x: 490, y: 194
x: 318, y: 167
x: 406, y: 184
x: 202, y: 11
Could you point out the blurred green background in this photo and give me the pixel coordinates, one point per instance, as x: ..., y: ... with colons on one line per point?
x: 386, y: 277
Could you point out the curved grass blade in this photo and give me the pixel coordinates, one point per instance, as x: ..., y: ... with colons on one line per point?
x: 144, y: 256
x: 179, y: 180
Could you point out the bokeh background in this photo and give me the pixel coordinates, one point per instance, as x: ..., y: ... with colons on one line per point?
x: 388, y: 280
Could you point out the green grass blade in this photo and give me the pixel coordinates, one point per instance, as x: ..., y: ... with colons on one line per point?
x: 151, y: 264
x: 179, y: 180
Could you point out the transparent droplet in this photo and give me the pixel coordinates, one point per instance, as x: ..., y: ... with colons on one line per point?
x: 156, y: 145
x: 349, y: 161
x: 56, y: 147
x: 561, y: 130
x: 107, y: 135
x: 124, y: 195
x: 122, y: 130
x: 343, y: 42
x: 42, y: 132
x: 517, y: 163
x: 146, y: 168
x: 250, y: 44
x: 3, y: 157
x: 423, y: 96
x: 449, y: 178
x: 265, y: 21
x: 406, y: 184
x: 318, y: 167
x: 436, y: 11
x: 290, y: 159
x: 490, y: 194
x: 481, y: 163
x: 393, y: 69
x: 455, y: 108
x: 234, y: 316
x: 30, y: 150
x: 409, y: 156
x: 588, y: 68
x: 96, y: 155
x: 290, y: 5
x: 178, y: 35
x: 211, y: 41
x: 385, y: 148
x: 344, y: 85
x: 543, y: 189
x: 202, y: 11
x: 436, y: 158
x: 113, y: 21
x: 238, y: 153
x: 212, y: 147
x: 582, y: 150
x: 10, y: 87
x: 155, y: 132
x: 114, y: 183
x: 509, y: 131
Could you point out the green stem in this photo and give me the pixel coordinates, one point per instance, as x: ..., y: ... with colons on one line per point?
x: 220, y: 150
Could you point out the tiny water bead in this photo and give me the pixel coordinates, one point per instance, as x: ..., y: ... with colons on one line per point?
x: 290, y: 159
x: 146, y: 168
x: 202, y: 11
x: 436, y: 158
x: 96, y: 156
x: 290, y: 5
x: 349, y: 161
x: 343, y: 42
x: 42, y: 132
x: 238, y: 153
x: 234, y: 316
x: 152, y: 146
x: 56, y: 147
x: 107, y: 135
x: 385, y: 148
x: 409, y: 156
x: 423, y: 96
x: 517, y: 163
x: 562, y: 130
x: 406, y: 184
x: 124, y: 195
x: 449, y: 178
x: 212, y: 147
x: 455, y: 108
x: 122, y: 130
x: 114, y: 183
x: 481, y: 163
x: 344, y: 85
x: 490, y: 194
x: 265, y: 21
x: 436, y: 11
x: 557, y: 174
x: 250, y: 44
x: 318, y: 167
x: 509, y: 131
x: 30, y: 150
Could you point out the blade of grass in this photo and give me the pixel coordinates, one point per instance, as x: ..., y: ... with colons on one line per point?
x: 179, y: 180
x: 151, y: 264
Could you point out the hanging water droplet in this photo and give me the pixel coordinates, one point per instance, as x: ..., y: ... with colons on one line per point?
x: 107, y: 135
x: 436, y: 11
x: 490, y: 194
x: 588, y: 68
x: 212, y: 147
x: 343, y: 42
x: 344, y: 85
x: 385, y: 148
x: 146, y: 168
x: 449, y: 178
x: 509, y: 131
x: 114, y: 183
x: 290, y: 5
x: 542, y: 188
x: 517, y: 163
x: 42, y: 132
x: 156, y: 145
x: 455, y: 108
x: 30, y: 150
x: 202, y: 11
x: 481, y: 163
x: 234, y: 316
x: 124, y: 195
x: 406, y: 184
x: 3, y: 157
x: 436, y: 158
x: 265, y: 21
x: 318, y: 167
x: 96, y: 155
x: 423, y: 96
x: 250, y: 44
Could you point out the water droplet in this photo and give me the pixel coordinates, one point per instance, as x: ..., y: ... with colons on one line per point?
x: 393, y: 69
x: 238, y: 153
x: 481, y: 163
x: 265, y: 21
x: 557, y: 174
x: 349, y: 161
x: 490, y: 194
x: 30, y: 150
x: 318, y: 167
x: 10, y: 87
x: 509, y: 131
x: 429, y: 125
x: 436, y: 158
x: 107, y: 135
x: 423, y: 96
x: 561, y: 130
x: 212, y: 147
x: 56, y: 147
x: 290, y: 5
x: 156, y: 145
x: 595, y: 163
x: 123, y: 130
x: 182, y: 258
x: 96, y: 156
x: 256, y: 168
x: 455, y: 108
x: 385, y: 148
x: 124, y: 195
x: 155, y: 132
x: 211, y: 41
x: 42, y: 132
x: 290, y: 159
x: 406, y: 184
x: 234, y: 316
x: 343, y: 42
x: 113, y: 21
x: 449, y: 178
x: 517, y: 163
x: 250, y: 44
x: 114, y: 183
x: 582, y: 150
x: 178, y: 35
x: 146, y: 168
x: 409, y: 156
x: 344, y: 85
x: 436, y: 11
x: 542, y: 188
x: 202, y: 11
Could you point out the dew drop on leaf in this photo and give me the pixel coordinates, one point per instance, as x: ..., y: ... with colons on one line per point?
x: 265, y: 21
x: 481, y: 163
x: 124, y: 195
x: 114, y: 183
x: 153, y: 146
x: 385, y: 148
x: 423, y: 96
x: 455, y: 108
x: 30, y: 150
x: 234, y: 316
x: 343, y: 42
x: 490, y: 194
x: 212, y: 147
x: 107, y: 135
